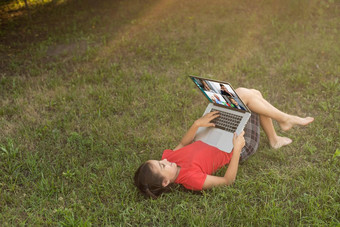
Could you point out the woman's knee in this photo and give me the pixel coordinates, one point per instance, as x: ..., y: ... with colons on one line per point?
x: 241, y: 91
x: 244, y: 93
x: 247, y: 94
x: 256, y: 92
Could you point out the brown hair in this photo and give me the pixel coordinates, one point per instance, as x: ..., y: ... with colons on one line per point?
x: 148, y: 182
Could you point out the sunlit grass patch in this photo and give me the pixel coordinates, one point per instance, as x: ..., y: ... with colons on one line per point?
x: 91, y: 89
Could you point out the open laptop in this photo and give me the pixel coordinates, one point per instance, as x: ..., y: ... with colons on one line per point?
x: 234, y: 114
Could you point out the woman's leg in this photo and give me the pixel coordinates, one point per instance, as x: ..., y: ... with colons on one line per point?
x: 256, y: 103
x: 275, y: 141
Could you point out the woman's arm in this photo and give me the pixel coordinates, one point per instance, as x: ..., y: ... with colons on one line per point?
x: 201, y: 122
x: 230, y: 174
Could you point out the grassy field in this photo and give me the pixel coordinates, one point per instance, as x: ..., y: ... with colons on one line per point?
x: 90, y: 89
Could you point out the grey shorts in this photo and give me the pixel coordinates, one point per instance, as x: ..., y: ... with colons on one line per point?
x: 251, y: 137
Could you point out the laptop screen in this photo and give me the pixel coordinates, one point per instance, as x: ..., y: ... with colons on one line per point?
x: 219, y: 93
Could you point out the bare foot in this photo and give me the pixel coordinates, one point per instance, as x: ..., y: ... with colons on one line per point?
x: 295, y: 120
x: 280, y: 142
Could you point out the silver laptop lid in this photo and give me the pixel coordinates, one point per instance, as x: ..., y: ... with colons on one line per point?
x: 220, y: 93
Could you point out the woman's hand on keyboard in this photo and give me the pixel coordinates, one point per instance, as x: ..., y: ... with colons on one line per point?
x: 205, y: 121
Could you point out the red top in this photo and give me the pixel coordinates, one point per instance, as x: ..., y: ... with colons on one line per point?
x: 197, y: 160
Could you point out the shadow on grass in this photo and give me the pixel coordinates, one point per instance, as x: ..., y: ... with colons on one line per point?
x: 65, y: 26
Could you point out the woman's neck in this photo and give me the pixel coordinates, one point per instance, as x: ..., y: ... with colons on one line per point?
x: 177, y: 173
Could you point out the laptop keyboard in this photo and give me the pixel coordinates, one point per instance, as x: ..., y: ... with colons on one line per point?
x: 226, y: 121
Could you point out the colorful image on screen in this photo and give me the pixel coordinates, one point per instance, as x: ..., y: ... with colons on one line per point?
x: 219, y: 93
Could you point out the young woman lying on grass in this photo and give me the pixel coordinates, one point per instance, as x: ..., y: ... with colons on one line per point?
x: 192, y: 163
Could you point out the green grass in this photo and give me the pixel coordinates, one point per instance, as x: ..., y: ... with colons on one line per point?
x: 89, y: 90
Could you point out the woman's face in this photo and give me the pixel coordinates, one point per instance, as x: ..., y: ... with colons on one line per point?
x: 166, y: 169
